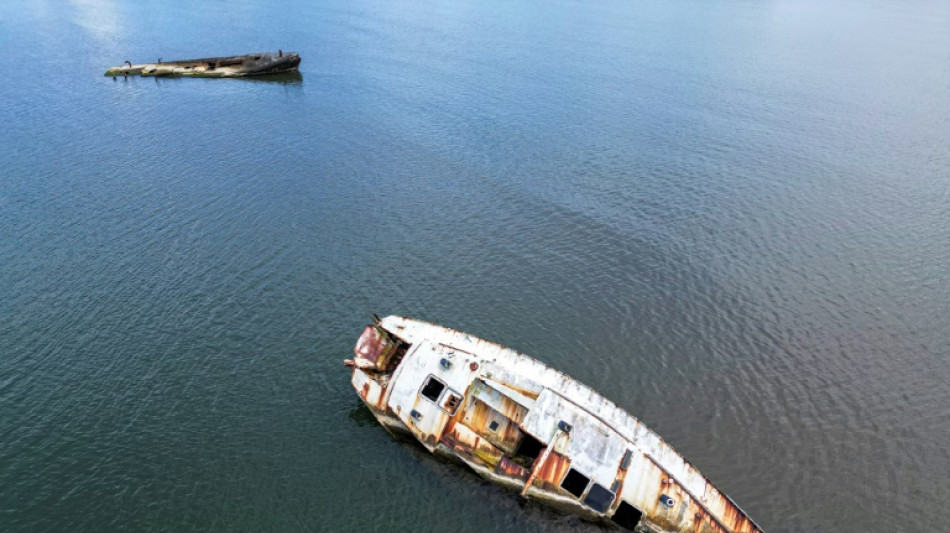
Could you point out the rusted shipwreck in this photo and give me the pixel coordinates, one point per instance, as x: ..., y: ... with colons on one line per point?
x: 214, y: 67
x: 526, y: 426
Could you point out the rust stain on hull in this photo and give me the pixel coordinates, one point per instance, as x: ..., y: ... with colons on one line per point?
x: 531, y: 428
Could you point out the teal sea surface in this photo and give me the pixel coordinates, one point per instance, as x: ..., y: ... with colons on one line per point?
x: 732, y: 218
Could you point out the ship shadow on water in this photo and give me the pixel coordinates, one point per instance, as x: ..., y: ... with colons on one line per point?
x: 505, y: 500
x: 285, y: 78
x: 280, y: 78
x: 363, y: 417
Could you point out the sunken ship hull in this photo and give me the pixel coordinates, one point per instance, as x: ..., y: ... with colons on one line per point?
x: 214, y: 67
x: 528, y: 427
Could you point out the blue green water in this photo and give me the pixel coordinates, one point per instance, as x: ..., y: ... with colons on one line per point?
x: 732, y: 218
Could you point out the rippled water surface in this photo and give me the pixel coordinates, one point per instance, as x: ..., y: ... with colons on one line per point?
x: 732, y: 218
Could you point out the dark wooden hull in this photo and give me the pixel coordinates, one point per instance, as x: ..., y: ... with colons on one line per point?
x: 214, y: 67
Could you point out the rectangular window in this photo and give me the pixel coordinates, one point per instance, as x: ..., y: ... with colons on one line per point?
x: 627, y: 457
x: 432, y: 389
x: 599, y: 498
x: 451, y: 402
x: 575, y: 483
x: 627, y: 516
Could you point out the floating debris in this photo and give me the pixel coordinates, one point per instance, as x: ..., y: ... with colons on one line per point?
x: 528, y: 427
x: 214, y: 67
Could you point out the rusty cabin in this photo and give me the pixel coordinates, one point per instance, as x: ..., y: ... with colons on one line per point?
x: 528, y: 427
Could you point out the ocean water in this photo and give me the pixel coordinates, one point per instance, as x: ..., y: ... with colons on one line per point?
x: 732, y: 218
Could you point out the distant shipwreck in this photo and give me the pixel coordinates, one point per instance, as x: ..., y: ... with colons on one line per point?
x: 214, y: 67
x: 528, y: 427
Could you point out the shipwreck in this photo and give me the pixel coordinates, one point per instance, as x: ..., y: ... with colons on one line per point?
x: 214, y: 67
x: 533, y: 429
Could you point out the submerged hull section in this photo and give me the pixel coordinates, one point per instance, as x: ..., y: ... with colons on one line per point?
x: 214, y: 67
x: 528, y: 427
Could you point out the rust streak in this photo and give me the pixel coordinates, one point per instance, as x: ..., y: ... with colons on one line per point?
x: 526, y: 392
x: 509, y: 468
x: 618, y: 482
x: 731, y: 516
x: 555, y: 468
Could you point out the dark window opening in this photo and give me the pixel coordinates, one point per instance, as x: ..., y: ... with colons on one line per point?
x: 451, y: 403
x: 401, y: 349
x: 575, y: 483
x: 599, y: 498
x: 627, y: 516
x: 493, y: 426
x: 627, y: 457
x: 432, y: 389
x: 529, y: 447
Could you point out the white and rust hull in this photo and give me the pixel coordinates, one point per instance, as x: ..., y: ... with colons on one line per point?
x: 528, y: 427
